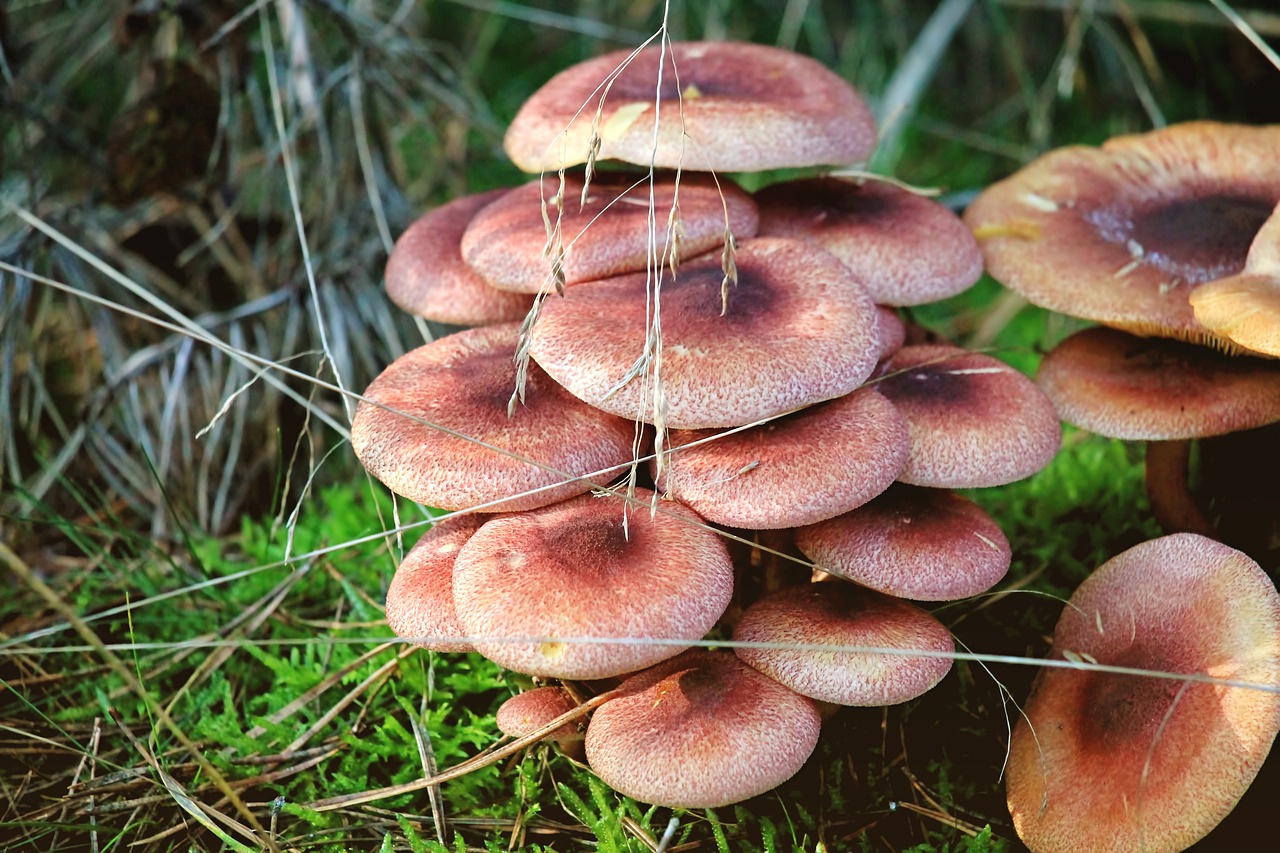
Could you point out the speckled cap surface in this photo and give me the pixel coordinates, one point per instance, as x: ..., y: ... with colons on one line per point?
x: 798, y: 469
x: 420, y: 595
x: 1110, y: 762
x: 798, y: 330
x: 575, y: 570
x: 609, y: 234
x: 464, y: 382
x: 699, y: 731
x: 838, y: 613
x: 724, y: 106
x: 427, y: 276
x: 974, y: 420
x: 905, y: 249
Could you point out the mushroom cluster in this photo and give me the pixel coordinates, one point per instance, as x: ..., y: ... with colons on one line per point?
x: 1169, y: 239
x: 747, y: 347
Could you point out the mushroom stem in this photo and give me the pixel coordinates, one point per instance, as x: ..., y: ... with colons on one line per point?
x: 1167, y: 488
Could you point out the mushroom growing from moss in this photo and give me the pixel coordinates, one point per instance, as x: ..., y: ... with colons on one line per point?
x: 1109, y: 762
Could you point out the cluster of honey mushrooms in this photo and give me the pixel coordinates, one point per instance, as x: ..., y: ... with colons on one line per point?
x: 671, y: 384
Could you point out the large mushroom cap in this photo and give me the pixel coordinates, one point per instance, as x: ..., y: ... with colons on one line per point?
x: 904, y: 248
x: 1123, y: 386
x: 1122, y: 234
x: 974, y: 420
x: 427, y: 276
x: 463, y: 382
x: 801, y: 468
x: 798, y: 330
x: 724, y: 106
x: 836, y: 613
x: 1123, y: 762
x: 608, y: 234
x: 582, y: 569
x: 699, y: 731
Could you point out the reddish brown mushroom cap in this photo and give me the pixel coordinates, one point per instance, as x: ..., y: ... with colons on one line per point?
x: 427, y: 277
x: 904, y: 248
x: 463, y: 382
x: 699, y: 731
x: 607, y: 236
x: 1123, y: 386
x: 1122, y: 234
x: 574, y: 570
x: 1123, y: 762
x: 798, y: 330
x: 420, y: 596
x: 724, y: 107
x: 974, y: 421
x: 842, y: 614
x: 922, y: 544
x: 798, y: 469
x: 892, y: 332
x: 529, y: 711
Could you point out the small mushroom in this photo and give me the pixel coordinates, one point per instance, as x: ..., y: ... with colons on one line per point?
x: 699, y: 731
x: 843, y: 614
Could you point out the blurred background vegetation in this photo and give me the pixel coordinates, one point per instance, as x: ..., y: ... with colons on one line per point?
x: 240, y: 170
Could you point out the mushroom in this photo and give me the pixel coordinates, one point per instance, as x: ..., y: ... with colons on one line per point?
x: 911, y: 542
x: 529, y: 711
x: 974, y: 421
x: 798, y: 469
x: 646, y: 584
x: 699, y: 731
x: 720, y: 106
x: 1124, y: 233
x: 427, y: 277
x: 420, y: 596
x: 1163, y: 392
x: 1107, y: 761
x: 881, y: 631
x: 797, y: 330
x: 463, y: 383
x: 903, y: 248
x: 1246, y: 306
x: 603, y: 234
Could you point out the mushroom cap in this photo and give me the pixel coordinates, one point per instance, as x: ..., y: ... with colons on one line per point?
x: 609, y: 234
x: 837, y: 613
x: 529, y: 711
x: 463, y: 382
x: 1122, y: 234
x: 922, y: 544
x: 1104, y: 761
x: 798, y: 469
x: 1246, y: 307
x: 420, y: 595
x: 724, y: 107
x: 1123, y: 386
x: 798, y: 330
x: 905, y: 249
x: 427, y: 277
x: 974, y: 420
x: 580, y: 569
x: 699, y: 731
